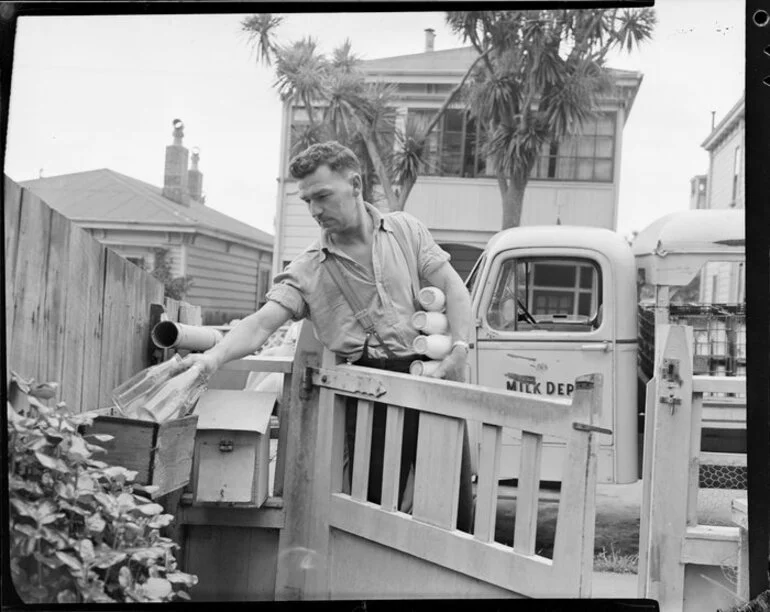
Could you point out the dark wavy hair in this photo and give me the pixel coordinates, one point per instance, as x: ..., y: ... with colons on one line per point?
x: 332, y: 154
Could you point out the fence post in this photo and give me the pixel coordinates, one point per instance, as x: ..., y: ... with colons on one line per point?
x: 295, y: 554
x: 666, y: 471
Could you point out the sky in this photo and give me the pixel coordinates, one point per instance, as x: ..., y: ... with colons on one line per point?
x: 102, y: 92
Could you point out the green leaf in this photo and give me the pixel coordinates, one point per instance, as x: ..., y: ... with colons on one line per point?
x: 157, y: 588
x: 95, y: 523
x: 150, y: 509
x: 182, y: 595
x: 66, y: 597
x: 50, y: 518
x: 44, y: 390
x: 86, y: 550
x: 103, y: 561
x: 189, y: 580
x: 51, y: 463
x: 125, y: 579
x: 126, y: 502
x: 26, y: 529
x: 85, y: 483
x: 70, y: 560
x: 23, y: 508
x: 78, y: 450
x: 160, y: 521
x: 101, y: 437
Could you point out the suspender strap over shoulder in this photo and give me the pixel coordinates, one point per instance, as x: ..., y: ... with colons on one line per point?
x: 359, y: 311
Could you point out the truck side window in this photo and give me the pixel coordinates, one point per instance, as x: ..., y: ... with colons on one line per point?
x: 546, y: 294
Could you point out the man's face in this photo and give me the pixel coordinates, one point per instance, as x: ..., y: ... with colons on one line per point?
x: 331, y: 197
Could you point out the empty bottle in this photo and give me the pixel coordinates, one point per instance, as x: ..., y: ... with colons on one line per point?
x: 177, y: 397
x: 423, y: 368
x: 130, y: 396
x: 435, y: 346
x: 430, y: 322
x: 432, y: 299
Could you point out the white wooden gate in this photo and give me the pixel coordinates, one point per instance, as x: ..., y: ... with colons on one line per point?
x: 680, y: 559
x: 339, y: 546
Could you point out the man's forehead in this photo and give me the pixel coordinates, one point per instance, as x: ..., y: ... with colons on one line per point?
x: 321, y: 179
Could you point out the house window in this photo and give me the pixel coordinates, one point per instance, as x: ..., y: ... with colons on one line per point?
x: 736, y: 173
x: 454, y: 145
x: 714, y: 288
x: 556, y: 293
x: 455, y: 148
x: 263, y: 285
x: 587, y: 156
x: 741, y: 292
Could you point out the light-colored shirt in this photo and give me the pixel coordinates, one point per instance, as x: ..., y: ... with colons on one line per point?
x: 307, y: 289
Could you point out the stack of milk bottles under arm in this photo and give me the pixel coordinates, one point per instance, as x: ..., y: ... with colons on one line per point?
x: 434, y: 340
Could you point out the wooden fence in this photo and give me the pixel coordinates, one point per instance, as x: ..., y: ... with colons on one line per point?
x: 684, y: 565
x: 76, y: 312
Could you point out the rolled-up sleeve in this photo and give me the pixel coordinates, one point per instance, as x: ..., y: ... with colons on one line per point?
x: 287, y: 291
x: 430, y: 256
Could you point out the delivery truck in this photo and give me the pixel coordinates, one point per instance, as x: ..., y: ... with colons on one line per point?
x: 552, y: 303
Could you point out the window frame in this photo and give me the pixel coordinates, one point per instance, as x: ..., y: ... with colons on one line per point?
x: 602, y: 282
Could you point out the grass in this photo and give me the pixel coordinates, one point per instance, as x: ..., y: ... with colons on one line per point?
x: 615, y: 562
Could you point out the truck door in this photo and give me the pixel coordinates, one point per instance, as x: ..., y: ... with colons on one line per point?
x: 545, y: 317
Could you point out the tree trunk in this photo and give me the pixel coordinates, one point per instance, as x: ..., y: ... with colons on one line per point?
x: 381, y: 171
x: 513, y: 200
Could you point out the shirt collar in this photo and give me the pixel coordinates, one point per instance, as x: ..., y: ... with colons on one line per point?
x: 379, y: 221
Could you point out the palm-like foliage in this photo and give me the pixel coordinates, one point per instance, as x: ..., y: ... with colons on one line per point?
x: 540, y: 81
x: 261, y: 31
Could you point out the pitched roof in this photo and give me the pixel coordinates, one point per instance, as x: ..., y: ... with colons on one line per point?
x: 449, y: 61
x: 110, y: 197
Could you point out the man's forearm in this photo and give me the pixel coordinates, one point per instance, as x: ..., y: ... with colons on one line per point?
x: 246, y: 337
x: 458, y: 312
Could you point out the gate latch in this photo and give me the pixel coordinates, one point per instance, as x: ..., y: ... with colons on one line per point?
x: 672, y: 401
x: 226, y: 446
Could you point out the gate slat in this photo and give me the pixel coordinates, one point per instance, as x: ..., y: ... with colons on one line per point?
x: 486, y: 492
x: 394, y: 429
x: 695, y: 444
x: 527, y: 493
x: 437, y: 470
x: 55, y: 308
x: 363, y: 449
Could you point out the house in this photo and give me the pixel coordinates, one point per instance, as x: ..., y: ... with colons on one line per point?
x: 725, y: 283
x: 574, y: 182
x: 228, y: 261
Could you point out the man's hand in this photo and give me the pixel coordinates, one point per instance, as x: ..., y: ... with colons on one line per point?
x: 207, y: 363
x: 452, y: 366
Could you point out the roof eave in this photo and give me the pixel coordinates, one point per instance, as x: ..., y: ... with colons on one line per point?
x: 734, y: 115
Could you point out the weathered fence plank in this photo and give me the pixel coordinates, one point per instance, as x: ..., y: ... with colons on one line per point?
x: 29, y: 288
x: 55, y: 299
x: 12, y: 208
x: 55, y: 290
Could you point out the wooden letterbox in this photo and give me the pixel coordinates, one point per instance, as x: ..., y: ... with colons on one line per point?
x: 232, y: 447
x: 161, y: 453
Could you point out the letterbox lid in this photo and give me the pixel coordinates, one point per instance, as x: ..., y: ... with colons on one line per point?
x: 231, y: 410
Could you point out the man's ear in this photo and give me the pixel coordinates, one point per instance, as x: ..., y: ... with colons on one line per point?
x: 357, y: 183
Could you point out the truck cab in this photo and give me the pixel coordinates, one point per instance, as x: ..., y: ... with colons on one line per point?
x: 550, y: 304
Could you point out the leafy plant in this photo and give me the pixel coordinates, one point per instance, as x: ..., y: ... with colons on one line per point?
x: 174, y: 287
x: 80, y: 532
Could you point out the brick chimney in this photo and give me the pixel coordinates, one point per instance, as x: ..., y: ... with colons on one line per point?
x: 430, y: 38
x: 195, y: 177
x: 175, y: 176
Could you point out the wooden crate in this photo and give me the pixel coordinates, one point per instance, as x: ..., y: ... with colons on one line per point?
x: 161, y: 453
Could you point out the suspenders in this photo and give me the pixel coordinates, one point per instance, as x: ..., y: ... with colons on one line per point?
x: 360, y: 311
